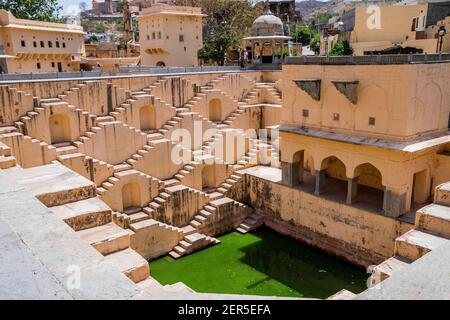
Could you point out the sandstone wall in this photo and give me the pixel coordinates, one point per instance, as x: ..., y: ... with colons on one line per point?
x: 181, y: 206
x: 14, y: 104
x: 228, y: 216
x: 28, y: 152
x: 361, y: 237
x: 112, y: 142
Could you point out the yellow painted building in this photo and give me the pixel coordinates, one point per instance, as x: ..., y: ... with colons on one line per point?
x: 35, y: 46
x: 170, y: 35
x: 372, y: 29
x: 375, y: 132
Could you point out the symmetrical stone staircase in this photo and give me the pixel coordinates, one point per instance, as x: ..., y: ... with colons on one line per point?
x: 432, y: 229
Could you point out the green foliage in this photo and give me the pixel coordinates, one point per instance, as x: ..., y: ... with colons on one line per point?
x: 314, y: 45
x: 303, y: 34
x: 227, y: 22
x: 341, y: 48
x: 217, y: 45
x: 42, y: 10
x: 277, y: 52
x: 100, y: 27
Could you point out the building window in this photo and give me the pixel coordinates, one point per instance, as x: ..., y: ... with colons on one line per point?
x: 57, y: 44
x: 305, y: 113
x: 153, y: 36
x: 38, y: 65
x: 50, y: 44
x: 371, y: 121
x: 336, y: 116
x: 64, y: 44
x: 159, y: 35
x: 181, y: 38
x: 42, y: 44
x: 53, y: 64
x: 148, y: 37
x: 167, y: 37
x: 34, y: 44
x: 23, y: 43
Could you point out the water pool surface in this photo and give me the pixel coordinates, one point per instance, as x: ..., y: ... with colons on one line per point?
x: 261, y: 263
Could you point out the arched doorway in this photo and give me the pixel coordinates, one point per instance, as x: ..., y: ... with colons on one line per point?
x: 331, y: 179
x: 160, y: 64
x: 215, y: 110
x: 131, y: 196
x: 366, y: 188
x: 147, y: 117
x: 59, y: 128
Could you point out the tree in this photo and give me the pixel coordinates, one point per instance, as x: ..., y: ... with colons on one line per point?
x: 303, y: 34
x: 42, y: 10
x: 217, y: 45
x: 100, y: 27
x: 341, y: 48
x: 314, y: 45
x: 226, y: 23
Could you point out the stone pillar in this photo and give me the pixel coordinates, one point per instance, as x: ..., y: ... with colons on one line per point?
x: 394, y: 203
x: 292, y: 173
x: 352, y: 189
x: 320, y: 181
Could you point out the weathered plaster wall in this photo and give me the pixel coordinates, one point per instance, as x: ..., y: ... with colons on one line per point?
x: 361, y: 237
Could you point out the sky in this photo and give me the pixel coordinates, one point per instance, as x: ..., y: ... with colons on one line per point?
x: 70, y: 5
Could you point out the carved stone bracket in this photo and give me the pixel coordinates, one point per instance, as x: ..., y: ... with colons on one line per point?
x: 311, y: 87
x: 349, y: 88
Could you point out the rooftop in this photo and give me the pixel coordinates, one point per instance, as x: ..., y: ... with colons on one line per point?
x: 369, y: 59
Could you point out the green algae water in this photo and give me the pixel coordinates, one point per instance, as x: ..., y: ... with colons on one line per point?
x: 261, y: 263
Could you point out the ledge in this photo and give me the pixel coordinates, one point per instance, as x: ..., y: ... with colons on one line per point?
x: 411, y: 146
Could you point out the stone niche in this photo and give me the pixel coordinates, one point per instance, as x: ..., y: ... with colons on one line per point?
x: 311, y: 87
x: 349, y: 88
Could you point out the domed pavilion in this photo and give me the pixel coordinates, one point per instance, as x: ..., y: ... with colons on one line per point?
x: 267, y: 40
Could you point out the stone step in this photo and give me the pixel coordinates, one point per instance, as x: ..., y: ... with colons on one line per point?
x: 130, y: 263
x: 240, y: 230
x: 201, y: 218
x: 344, y: 294
x: 138, y: 217
x: 210, y: 208
x: 66, y: 150
x: 442, y: 194
x: 84, y: 214
x: 195, y: 223
x: 205, y: 214
x: 185, y: 244
x: 180, y: 250
x: 171, y: 183
x: 7, y: 162
x: 215, y: 196
x: 107, y: 238
x: 434, y: 218
x: 9, y: 129
x: 122, y: 167
x: 187, y: 230
x: 387, y: 268
x: 416, y: 243
x: 174, y: 255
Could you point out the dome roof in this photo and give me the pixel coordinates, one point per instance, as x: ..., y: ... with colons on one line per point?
x: 267, y: 25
